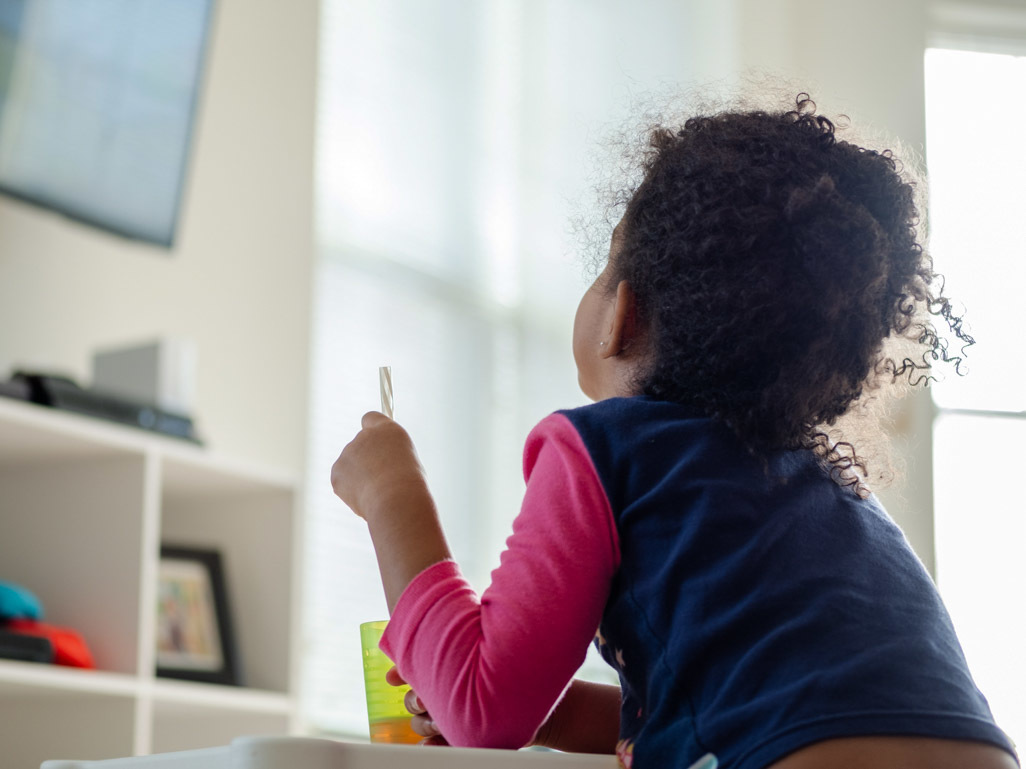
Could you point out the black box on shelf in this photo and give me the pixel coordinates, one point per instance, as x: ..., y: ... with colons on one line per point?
x: 60, y: 392
x: 25, y: 648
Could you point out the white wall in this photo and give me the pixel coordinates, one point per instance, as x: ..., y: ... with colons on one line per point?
x: 237, y: 281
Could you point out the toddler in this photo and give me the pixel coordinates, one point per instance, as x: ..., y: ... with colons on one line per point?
x: 700, y: 521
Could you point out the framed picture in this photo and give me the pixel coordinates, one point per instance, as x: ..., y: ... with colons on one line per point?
x: 194, y: 631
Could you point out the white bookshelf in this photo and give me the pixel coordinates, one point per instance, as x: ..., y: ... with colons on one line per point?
x: 84, y: 507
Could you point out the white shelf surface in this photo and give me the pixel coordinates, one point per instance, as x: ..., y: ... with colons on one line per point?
x: 59, y: 680
x: 196, y: 695
x: 188, y: 473
x: 32, y: 433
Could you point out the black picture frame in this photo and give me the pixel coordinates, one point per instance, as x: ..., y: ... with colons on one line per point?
x: 195, y: 639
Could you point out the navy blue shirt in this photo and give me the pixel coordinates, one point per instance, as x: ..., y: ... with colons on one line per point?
x: 760, y: 608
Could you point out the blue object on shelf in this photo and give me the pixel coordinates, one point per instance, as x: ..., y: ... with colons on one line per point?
x: 18, y: 603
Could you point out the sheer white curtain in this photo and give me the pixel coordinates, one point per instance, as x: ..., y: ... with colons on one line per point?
x: 456, y: 140
x: 420, y: 202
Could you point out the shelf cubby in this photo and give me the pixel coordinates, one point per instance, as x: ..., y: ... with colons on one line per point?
x: 84, y: 508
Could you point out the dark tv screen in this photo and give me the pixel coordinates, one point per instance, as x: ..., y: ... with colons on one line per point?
x: 97, y: 99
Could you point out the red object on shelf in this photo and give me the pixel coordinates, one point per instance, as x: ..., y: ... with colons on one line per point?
x: 69, y: 648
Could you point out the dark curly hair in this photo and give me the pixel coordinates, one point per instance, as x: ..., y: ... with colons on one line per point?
x: 771, y: 262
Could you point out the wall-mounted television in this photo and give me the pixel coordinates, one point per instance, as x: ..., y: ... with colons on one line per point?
x: 97, y: 99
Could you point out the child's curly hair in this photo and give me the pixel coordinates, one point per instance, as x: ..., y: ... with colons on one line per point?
x: 771, y: 262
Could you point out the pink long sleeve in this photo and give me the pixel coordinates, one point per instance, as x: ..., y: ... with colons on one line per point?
x: 491, y: 669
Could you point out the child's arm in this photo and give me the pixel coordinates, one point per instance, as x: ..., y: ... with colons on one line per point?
x: 586, y: 720
x: 489, y: 668
x: 381, y: 479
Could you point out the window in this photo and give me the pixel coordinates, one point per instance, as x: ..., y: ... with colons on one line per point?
x: 426, y: 265
x: 977, y: 163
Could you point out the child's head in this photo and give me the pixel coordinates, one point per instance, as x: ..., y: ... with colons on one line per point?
x: 770, y: 261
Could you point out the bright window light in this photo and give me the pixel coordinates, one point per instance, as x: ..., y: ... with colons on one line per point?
x: 977, y: 164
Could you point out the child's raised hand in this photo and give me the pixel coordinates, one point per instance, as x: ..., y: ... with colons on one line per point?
x: 421, y: 722
x: 379, y: 464
x: 381, y: 479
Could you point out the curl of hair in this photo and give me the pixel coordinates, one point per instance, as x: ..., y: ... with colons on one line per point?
x: 779, y: 273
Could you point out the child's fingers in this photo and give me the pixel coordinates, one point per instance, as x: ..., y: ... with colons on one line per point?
x: 424, y: 726
x: 392, y: 677
x: 413, y: 703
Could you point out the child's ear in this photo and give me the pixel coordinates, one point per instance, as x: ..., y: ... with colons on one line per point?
x: 624, y: 327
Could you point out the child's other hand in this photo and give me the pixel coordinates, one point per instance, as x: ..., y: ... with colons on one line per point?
x: 421, y: 722
x: 380, y: 464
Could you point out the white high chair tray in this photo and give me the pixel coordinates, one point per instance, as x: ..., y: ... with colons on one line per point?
x: 309, y: 753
